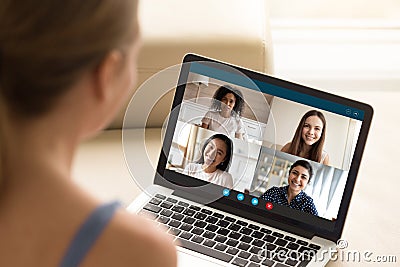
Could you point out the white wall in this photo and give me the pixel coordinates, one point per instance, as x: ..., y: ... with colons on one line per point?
x: 286, y: 116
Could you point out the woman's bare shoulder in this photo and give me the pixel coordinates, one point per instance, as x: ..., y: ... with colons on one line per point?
x: 131, y: 240
x: 285, y: 148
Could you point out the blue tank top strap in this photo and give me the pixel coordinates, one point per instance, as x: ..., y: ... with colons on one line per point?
x: 87, y: 235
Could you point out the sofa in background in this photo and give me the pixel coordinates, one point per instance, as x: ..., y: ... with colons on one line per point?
x: 235, y: 31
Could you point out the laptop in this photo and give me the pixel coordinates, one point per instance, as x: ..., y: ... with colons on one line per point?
x: 254, y: 170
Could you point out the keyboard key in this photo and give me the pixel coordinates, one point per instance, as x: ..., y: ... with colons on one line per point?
x: 304, y: 263
x: 258, y: 243
x: 189, y: 212
x: 239, y: 262
x: 174, y: 223
x: 220, y: 247
x: 155, y: 201
x: 257, y: 235
x: 160, y: 196
x: 197, y: 239
x: 244, y: 255
x: 252, y: 264
x: 200, y: 216
x: 197, y: 231
x: 174, y: 231
x: 303, y: 249
x: 232, y: 251
x: 223, y: 223
x: 255, y: 259
x: 186, y: 227
x: 234, y: 227
x: 289, y: 238
x: 269, y: 238
x: 178, y: 208
x: 291, y: 262
x: 166, y: 213
x: 281, y: 242
x: 265, y: 231
x: 246, y: 239
x: 244, y: 246
x: 209, y: 234
x: 232, y: 242
x: 206, y: 211
x: 246, y: 231
x: 293, y: 246
x: 172, y: 200
x: 177, y: 216
x: 211, y: 227
x: 254, y: 227
x: 196, y: 208
x: 223, y: 231
x: 211, y: 219
x: 200, y: 224
x: 235, y: 235
x: 186, y: 235
x: 270, y: 247
x: 183, y: 204
x: 220, y: 238
x: 152, y: 208
x: 205, y: 250
x: 166, y: 205
x: 218, y: 215
x: 255, y: 250
x: 189, y: 220
x: 267, y: 262
x: 242, y: 223
x: 278, y: 234
x: 301, y: 242
x: 229, y: 219
x: 209, y: 243
x: 163, y: 219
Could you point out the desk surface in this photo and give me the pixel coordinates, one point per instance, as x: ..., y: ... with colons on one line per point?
x: 373, y: 220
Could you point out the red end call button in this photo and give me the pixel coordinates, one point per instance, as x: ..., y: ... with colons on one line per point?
x: 269, y: 206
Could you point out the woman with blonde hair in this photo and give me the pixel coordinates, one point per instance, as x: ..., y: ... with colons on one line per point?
x: 65, y: 69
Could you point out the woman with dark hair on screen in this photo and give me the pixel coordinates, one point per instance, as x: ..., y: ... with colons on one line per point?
x: 66, y: 67
x: 292, y: 195
x: 309, y: 138
x: 225, y: 112
x: 214, y: 162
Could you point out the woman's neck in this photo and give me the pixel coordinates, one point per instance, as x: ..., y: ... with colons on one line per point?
x: 208, y: 169
x: 291, y: 195
x: 225, y: 114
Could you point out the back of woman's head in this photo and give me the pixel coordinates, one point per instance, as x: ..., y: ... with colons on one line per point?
x: 223, y: 166
x: 45, y: 46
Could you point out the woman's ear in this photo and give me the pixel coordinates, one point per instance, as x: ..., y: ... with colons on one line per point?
x: 106, y: 75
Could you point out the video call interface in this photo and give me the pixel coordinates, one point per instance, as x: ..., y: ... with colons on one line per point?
x: 264, y: 141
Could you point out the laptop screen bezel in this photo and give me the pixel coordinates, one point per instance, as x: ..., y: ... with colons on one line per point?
x: 304, y: 224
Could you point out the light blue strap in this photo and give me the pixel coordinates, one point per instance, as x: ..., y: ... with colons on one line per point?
x: 88, y: 234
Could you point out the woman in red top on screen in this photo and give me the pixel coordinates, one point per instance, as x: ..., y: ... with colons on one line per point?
x: 308, y: 141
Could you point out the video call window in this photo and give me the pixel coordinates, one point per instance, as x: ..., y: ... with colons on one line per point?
x: 253, y: 148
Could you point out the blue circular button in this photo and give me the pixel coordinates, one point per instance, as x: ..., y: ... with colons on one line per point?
x: 226, y: 192
x: 254, y: 201
x: 240, y: 197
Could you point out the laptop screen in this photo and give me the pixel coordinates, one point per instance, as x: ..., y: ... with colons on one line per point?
x: 266, y: 144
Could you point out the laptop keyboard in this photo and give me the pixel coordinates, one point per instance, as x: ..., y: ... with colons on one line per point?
x: 225, y: 238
